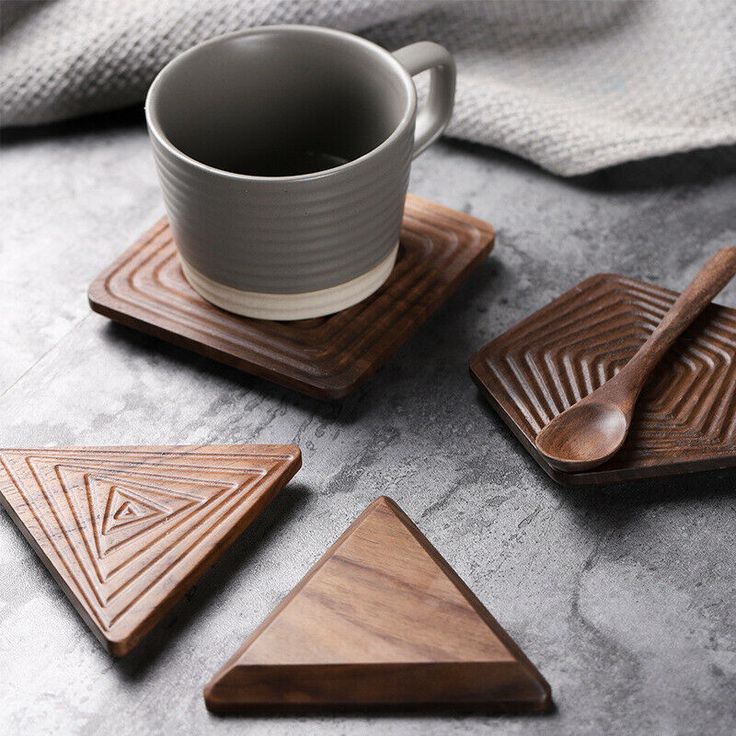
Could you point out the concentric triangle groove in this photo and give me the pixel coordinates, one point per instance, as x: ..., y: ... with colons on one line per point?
x: 154, y: 549
x: 124, y: 507
x: 105, y: 591
x: 381, y: 621
x: 123, y: 593
x: 104, y: 545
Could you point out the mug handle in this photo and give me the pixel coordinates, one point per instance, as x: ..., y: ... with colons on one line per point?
x: 434, y: 116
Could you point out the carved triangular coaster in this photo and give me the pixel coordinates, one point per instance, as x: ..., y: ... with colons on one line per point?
x: 328, y: 357
x: 685, y: 419
x: 381, y: 621
x: 126, y: 531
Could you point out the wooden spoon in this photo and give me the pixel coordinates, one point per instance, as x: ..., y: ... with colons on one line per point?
x: 593, y: 430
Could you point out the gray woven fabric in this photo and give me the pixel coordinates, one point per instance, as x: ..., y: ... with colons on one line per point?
x: 573, y: 85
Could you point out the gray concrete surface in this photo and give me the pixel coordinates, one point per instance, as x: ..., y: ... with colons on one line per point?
x: 623, y: 597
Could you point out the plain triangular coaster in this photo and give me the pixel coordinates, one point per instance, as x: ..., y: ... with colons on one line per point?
x: 126, y: 531
x: 380, y: 621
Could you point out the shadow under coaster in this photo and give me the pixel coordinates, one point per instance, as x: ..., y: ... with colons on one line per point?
x: 380, y: 622
x: 126, y: 531
x: 685, y: 419
x: 326, y: 357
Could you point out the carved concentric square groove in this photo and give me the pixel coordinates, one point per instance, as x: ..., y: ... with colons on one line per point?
x: 126, y: 531
x: 686, y: 417
x: 327, y: 357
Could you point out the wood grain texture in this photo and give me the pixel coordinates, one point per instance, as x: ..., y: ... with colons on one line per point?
x: 593, y: 429
x: 126, y: 531
x: 381, y: 621
x: 685, y: 419
x: 327, y: 357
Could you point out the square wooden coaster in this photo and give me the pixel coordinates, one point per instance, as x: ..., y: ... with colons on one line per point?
x: 685, y: 419
x: 328, y: 357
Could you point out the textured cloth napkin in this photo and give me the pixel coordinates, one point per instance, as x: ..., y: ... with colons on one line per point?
x: 573, y: 85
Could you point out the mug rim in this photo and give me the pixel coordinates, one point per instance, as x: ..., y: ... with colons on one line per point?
x: 378, y: 51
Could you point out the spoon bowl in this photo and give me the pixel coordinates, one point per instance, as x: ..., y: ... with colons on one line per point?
x: 584, y: 431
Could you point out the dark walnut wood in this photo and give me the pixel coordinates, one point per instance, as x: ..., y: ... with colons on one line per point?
x: 685, y: 418
x: 593, y: 429
x: 381, y: 621
x: 126, y: 531
x: 326, y: 357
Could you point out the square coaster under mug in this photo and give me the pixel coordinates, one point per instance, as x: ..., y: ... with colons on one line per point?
x: 326, y: 357
x: 685, y: 419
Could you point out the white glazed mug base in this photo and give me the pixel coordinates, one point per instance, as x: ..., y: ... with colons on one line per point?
x: 288, y: 307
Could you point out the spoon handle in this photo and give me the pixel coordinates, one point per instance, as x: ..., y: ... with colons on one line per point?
x: 718, y: 270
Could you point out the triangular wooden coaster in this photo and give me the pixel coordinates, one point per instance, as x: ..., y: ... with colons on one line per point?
x: 126, y: 531
x: 381, y: 621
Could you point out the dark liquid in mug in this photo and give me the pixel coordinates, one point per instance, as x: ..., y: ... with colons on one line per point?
x: 289, y: 163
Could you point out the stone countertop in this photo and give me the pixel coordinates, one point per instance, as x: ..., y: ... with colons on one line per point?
x: 623, y: 597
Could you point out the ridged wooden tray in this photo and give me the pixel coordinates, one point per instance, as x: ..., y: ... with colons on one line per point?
x: 685, y: 420
x: 326, y: 357
x: 126, y: 531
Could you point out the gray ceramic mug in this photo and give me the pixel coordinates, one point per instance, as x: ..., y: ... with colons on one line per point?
x: 284, y: 156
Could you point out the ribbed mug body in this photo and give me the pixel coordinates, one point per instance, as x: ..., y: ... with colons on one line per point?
x: 284, y: 246
x: 290, y: 235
